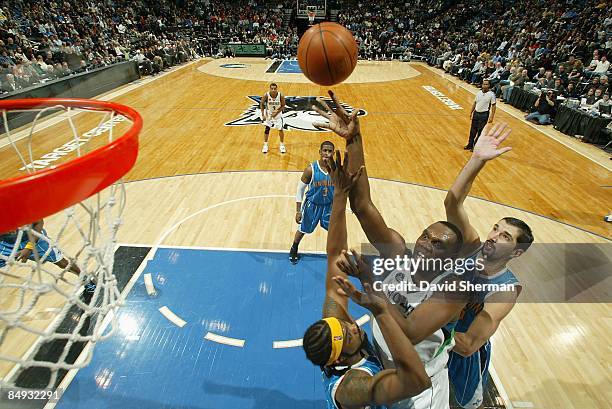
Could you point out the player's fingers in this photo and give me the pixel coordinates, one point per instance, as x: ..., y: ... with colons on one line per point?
x: 499, y: 128
x: 345, y: 285
x: 331, y: 164
x: 321, y: 112
x: 339, y: 108
x: 338, y: 159
x: 504, y: 150
x: 341, y: 292
x: 325, y: 125
x: 504, y: 135
x: 325, y: 106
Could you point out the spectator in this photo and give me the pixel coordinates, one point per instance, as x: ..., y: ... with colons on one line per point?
x: 604, y: 84
x: 519, y: 81
x: 589, y: 97
x: 10, y: 84
x: 601, y: 103
x: 571, y: 91
x: 544, y: 109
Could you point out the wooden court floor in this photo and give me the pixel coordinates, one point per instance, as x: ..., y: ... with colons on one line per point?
x: 198, y: 182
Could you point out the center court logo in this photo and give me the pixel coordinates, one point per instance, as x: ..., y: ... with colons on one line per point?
x: 298, y: 114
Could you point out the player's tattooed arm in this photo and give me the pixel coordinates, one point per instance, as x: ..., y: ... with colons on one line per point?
x: 336, y: 306
x: 355, y: 389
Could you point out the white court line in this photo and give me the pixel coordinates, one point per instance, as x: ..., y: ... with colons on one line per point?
x: 500, y: 387
x: 503, y: 108
x: 172, y: 317
x: 519, y: 404
x: 107, y: 320
x: 235, y: 342
x: 149, y: 284
x: 292, y: 343
x: 176, y: 225
x: 246, y: 249
x: 363, y: 320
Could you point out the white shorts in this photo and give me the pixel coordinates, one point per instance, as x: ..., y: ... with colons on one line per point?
x: 435, y: 362
x: 275, y: 123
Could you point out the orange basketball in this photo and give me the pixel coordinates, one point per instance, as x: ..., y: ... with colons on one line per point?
x: 327, y: 53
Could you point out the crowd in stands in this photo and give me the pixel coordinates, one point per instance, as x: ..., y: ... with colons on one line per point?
x: 561, y: 48
x: 561, y: 45
x: 48, y: 39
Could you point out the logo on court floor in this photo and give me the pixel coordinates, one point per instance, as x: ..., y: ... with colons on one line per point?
x: 298, y: 114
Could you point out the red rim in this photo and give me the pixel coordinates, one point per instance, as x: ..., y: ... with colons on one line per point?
x: 25, y: 199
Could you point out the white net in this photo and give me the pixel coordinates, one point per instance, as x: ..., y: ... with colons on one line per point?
x: 57, y: 287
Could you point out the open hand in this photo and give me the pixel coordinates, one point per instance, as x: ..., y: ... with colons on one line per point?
x: 340, y: 122
x: 487, y: 146
x: 355, y: 265
x: 367, y: 299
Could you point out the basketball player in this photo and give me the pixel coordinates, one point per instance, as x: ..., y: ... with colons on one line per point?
x: 422, y: 315
x: 509, y: 238
x: 36, y: 247
x: 352, y: 375
x: 316, y: 209
x: 272, y: 105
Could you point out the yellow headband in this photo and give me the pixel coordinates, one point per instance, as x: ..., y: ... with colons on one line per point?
x: 337, y: 338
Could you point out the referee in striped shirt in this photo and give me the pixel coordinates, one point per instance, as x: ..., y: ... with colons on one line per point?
x: 483, y: 111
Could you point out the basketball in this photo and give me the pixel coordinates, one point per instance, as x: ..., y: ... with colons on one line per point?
x: 327, y: 53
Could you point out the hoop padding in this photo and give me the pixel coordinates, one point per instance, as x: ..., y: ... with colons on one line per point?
x: 62, y: 186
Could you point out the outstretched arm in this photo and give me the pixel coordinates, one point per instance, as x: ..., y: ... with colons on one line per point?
x: 409, y: 378
x: 486, y: 148
x: 336, y: 305
x: 485, y: 324
x: 388, y: 242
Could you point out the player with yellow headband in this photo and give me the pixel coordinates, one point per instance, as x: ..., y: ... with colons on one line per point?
x: 352, y: 374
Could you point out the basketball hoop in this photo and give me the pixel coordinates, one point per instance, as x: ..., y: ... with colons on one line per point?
x: 311, y: 16
x: 86, y: 190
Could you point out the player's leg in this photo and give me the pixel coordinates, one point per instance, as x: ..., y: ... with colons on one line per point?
x: 469, y: 376
x: 325, y: 216
x: 310, y: 219
x: 266, y: 136
x: 293, y: 253
x: 281, y: 135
